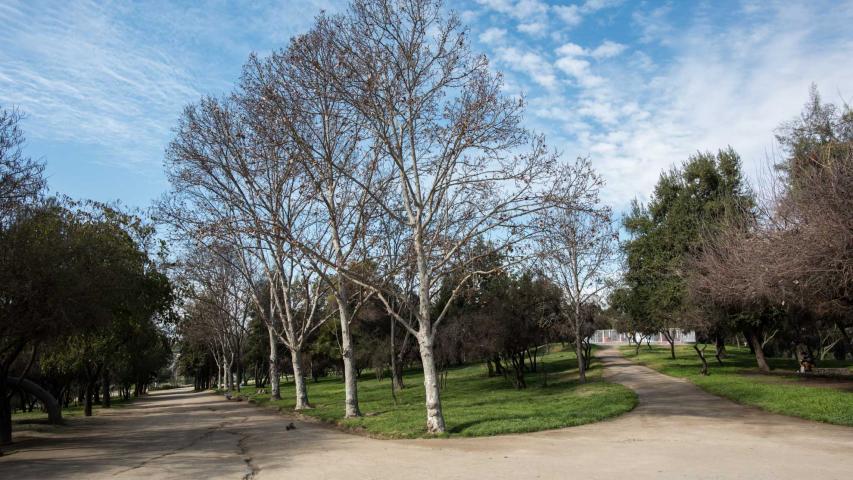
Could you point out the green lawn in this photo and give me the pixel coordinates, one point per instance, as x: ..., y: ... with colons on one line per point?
x: 474, y: 404
x: 37, y: 416
x: 740, y: 380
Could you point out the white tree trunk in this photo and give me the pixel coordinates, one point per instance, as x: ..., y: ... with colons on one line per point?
x: 435, y: 419
x: 299, y: 381
x: 348, y: 354
x: 579, y: 344
x: 228, y: 379
x: 581, y: 360
x: 275, y: 392
x: 579, y: 351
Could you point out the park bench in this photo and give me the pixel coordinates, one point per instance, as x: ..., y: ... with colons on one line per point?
x: 829, y: 372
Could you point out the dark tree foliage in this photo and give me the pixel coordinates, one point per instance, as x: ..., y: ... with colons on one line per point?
x: 793, y: 264
x: 688, y: 204
x: 82, y: 295
x: 503, y: 319
x: 21, y: 179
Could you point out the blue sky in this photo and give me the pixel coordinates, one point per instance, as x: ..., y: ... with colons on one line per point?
x: 636, y: 86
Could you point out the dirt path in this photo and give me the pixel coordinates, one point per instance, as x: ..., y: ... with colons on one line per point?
x: 677, y: 431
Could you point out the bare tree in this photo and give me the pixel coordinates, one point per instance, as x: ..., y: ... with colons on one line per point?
x: 222, y: 300
x: 579, y: 248
x: 444, y: 138
x: 292, y: 88
x: 796, y: 254
x: 234, y: 180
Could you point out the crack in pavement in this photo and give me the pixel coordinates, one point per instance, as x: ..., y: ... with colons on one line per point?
x: 247, y: 457
x: 210, y: 431
x: 252, y: 468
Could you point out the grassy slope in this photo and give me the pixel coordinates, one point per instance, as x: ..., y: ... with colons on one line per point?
x: 474, y: 405
x: 739, y: 380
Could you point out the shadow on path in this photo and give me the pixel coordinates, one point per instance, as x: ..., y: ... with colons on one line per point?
x: 676, y: 431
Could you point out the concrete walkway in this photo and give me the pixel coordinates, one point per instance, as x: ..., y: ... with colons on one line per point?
x: 677, y: 431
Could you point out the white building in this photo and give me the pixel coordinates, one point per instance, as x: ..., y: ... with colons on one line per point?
x: 612, y: 337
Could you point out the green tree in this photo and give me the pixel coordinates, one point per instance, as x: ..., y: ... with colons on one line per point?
x: 79, y: 280
x: 790, y: 267
x: 688, y: 203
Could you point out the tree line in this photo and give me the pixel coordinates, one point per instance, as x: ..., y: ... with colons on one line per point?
x: 770, y: 265
x: 374, y: 169
x: 84, y: 298
x: 367, y: 198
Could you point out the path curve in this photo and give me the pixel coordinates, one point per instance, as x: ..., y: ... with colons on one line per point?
x: 676, y: 431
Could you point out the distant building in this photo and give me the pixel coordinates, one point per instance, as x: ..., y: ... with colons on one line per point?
x: 612, y: 337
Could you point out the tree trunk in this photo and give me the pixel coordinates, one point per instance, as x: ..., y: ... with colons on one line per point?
x: 238, y: 373
x: 847, y: 345
x: 397, y: 375
x: 579, y: 346
x: 719, y: 349
x: 88, y: 397
x: 396, y: 364
x: 219, y: 376
x: 704, y: 370
x: 397, y: 358
x: 299, y: 381
x: 435, y: 418
x: 275, y: 388
x: 755, y: 342
x: 5, y: 412
x: 671, y: 340
x: 50, y: 403
x: 106, y: 403
x: 348, y: 355
x: 229, y: 379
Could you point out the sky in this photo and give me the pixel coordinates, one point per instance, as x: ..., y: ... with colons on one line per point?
x: 636, y: 86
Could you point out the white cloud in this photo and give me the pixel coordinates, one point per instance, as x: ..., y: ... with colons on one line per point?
x: 716, y: 84
x: 528, y: 8
x: 114, y: 78
x: 492, y: 35
x: 570, y: 61
x: 469, y: 16
x: 653, y: 24
x: 573, y: 66
x: 86, y: 79
x: 533, y: 28
x: 523, y: 10
x: 529, y: 63
x: 569, y: 14
x: 571, y: 50
x: 729, y: 85
x: 608, y: 49
x: 534, y: 16
x: 591, y: 6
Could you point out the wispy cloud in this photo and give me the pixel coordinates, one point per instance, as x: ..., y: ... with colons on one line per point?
x: 528, y: 63
x: 683, y: 86
x: 536, y: 17
x: 636, y: 86
x: 117, y: 75
x: 79, y: 75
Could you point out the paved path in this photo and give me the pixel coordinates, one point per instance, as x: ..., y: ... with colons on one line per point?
x: 677, y: 431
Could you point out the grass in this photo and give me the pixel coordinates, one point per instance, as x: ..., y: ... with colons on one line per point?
x: 739, y: 379
x: 473, y: 404
x: 37, y: 416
